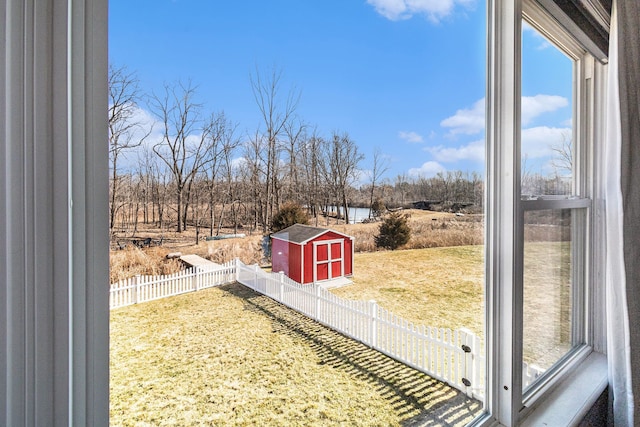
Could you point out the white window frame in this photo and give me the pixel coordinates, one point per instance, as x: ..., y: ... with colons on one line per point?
x: 579, y: 201
x: 505, y: 402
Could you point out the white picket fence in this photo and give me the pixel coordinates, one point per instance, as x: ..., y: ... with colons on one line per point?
x: 453, y: 357
x: 147, y: 288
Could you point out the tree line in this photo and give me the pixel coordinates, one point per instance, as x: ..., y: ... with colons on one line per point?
x: 195, y: 169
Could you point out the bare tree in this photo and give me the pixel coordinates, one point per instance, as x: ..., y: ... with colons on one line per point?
x: 221, y: 148
x: 184, y: 139
x: 296, y: 135
x: 275, y: 113
x: 198, y: 188
x: 212, y: 168
x: 379, y: 168
x: 344, y: 159
x: 217, y: 132
x: 229, y: 146
x: 125, y: 130
x: 253, y: 176
x: 312, y: 153
x: 161, y: 193
x: 402, y: 187
x: 563, y: 160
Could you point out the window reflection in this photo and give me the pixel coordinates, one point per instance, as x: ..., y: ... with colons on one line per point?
x: 547, y: 313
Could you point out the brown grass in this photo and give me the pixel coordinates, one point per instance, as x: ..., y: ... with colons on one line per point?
x: 228, y: 356
x: 132, y: 260
x: 248, y: 250
x: 440, y: 287
x: 231, y: 357
x: 151, y: 261
x: 428, y: 230
x: 444, y: 287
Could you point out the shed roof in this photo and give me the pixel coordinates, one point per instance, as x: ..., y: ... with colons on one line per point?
x: 299, y: 233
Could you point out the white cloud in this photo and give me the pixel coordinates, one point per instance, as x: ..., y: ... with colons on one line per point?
x: 467, y: 121
x: 140, y: 131
x: 544, y: 43
x: 537, y: 141
x: 362, y: 177
x: 474, y: 151
x: 433, y: 10
x: 412, y: 137
x: 238, y: 163
x: 140, y: 125
x: 534, y: 106
x: 427, y: 170
x: 144, y: 117
x: 390, y: 9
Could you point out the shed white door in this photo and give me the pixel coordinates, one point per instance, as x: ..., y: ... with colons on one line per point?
x: 328, y: 259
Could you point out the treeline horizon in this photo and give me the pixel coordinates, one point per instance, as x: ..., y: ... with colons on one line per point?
x: 148, y: 195
x: 194, y: 170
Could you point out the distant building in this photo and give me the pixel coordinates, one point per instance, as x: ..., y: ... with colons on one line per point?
x: 426, y: 205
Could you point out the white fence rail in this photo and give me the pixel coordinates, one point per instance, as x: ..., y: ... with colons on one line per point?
x: 450, y: 356
x: 147, y: 288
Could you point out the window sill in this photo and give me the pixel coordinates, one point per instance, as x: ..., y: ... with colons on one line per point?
x: 571, y: 400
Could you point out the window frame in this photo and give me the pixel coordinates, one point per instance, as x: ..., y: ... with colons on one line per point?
x: 506, y: 403
x: 82, y: 362
x: 578, y: 201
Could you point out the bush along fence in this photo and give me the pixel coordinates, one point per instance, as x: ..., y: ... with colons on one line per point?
x: 147, y: 288
x: 453, y: 357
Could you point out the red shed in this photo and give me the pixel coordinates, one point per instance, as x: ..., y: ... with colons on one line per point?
x: 311, y: 254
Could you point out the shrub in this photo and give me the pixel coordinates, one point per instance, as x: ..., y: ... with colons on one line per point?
x: 290, y: 213
x: 394, y: 232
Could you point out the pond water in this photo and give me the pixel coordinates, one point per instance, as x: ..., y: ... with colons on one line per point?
x: 356, y: 215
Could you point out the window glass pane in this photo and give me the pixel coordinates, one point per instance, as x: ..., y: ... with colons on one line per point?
x: 547, y: 118
x: 547, y: 311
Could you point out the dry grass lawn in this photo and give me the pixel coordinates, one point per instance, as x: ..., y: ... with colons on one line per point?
x: 227, y: 356
x: 440, y: 287
x: 444, y: 287
x: 428, y: 230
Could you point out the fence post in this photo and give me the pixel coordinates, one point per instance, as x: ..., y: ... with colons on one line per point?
x: 281, y: 286
x: 373, y: 329
x: 317, y: 301
x: 196, y: 271
x: 136, y: 289
x: 237, y: 264
x: 468, y: 346
x: 255, y: 281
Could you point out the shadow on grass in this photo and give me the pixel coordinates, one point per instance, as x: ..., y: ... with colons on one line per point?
x: 418, y: 399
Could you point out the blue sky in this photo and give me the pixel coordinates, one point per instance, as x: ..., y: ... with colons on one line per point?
x: 404, y: 76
